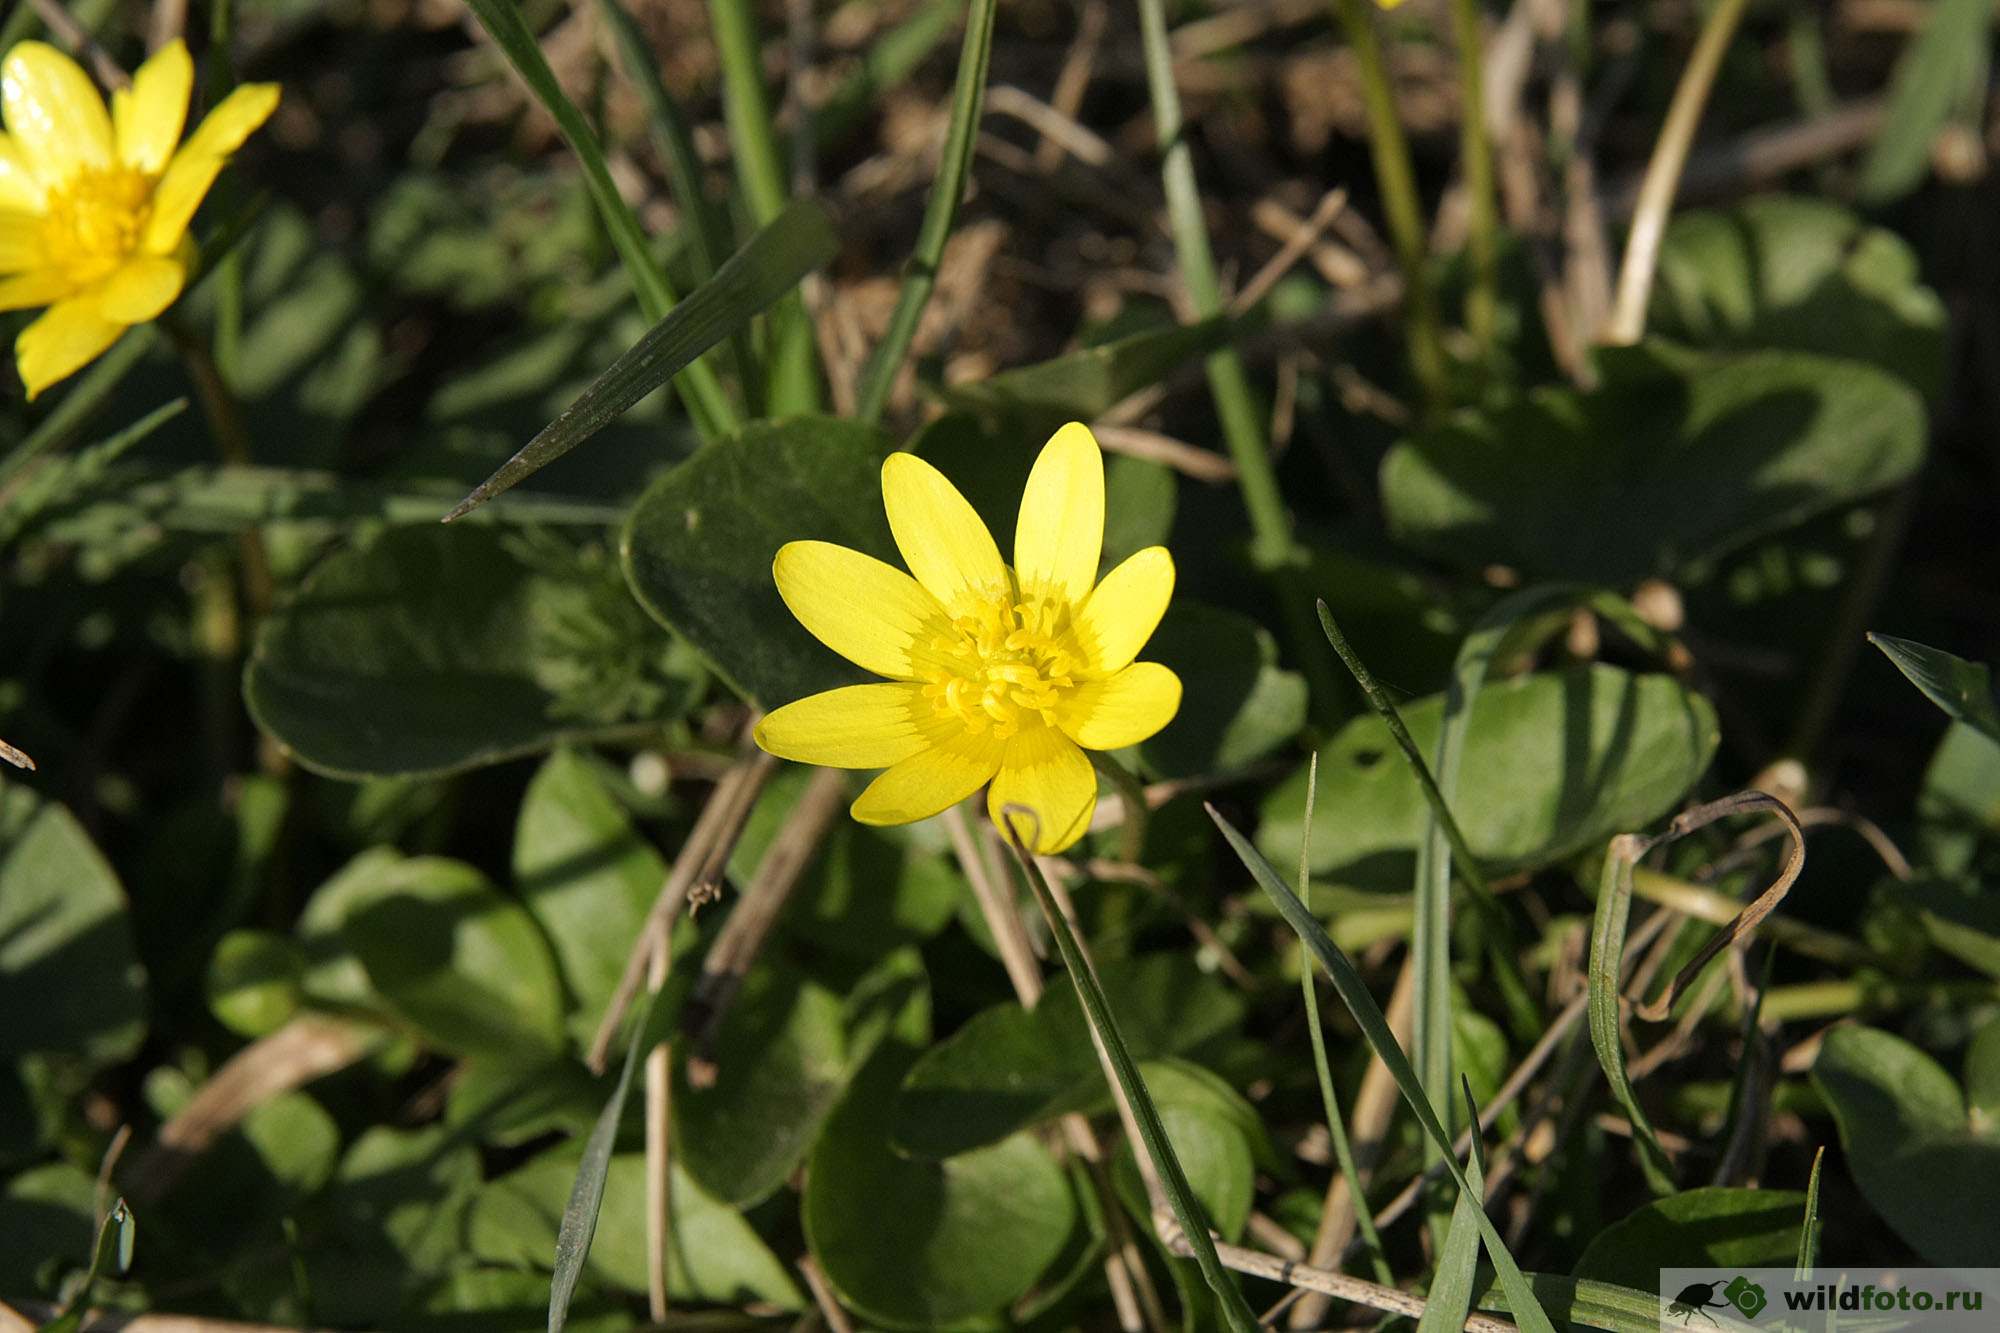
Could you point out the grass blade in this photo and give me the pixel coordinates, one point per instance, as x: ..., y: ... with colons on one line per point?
x: 1607, y: 963
x: 1964, y: 690
x: 793, y: 376
x: 112, y: 1252
x: 1450, y: 1296
x: 1809, y: 1229
x: 1581, y: 1303
x: 1153, y: 1134
x: 586, y: 1195
x: 1336, y: 1126
x: 710, y: 408
x: 1527, y: 1311
x: 954, y: 165
x: 800, y: 240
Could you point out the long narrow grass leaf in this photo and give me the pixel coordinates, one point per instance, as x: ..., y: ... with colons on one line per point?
x: 1450, y: 1297
x: 1152, y: 1132
x: 1607, y: 959
x: 1375, y: 1028
x: 1581, y: 1303
x: 707, y: 404
x: 111, y: 1253
x: 954, y: 165
x: 1336, y: 1125
x: 1809, y: 1229
x: 889, y: 60
x: 800, y: 240
x: 586, y: 1194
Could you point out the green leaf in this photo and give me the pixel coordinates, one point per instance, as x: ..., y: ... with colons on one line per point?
x: 46, y: 1215
x: 1450, y: 1297
x: 1553, y: 762
x: 1944, y: 63
x: 1211, y: 1128
x: 1237, y: 703
x: 1701, y: 1228
x: 924, y: 1244
x: 1677, y: 456
x: 1585, y: 1304
x: 1010, y: 1068
x: 583, y: 1202
x: 460, y: 961
x: 1382, y: 1040
x: 785, y: 1054
x: 1606, y: 1014
x: 699, y: 544
x: 1804, y: 275
x: 1964, y: 690
x: 587, y: 877
x: 1910, y: 1144
x: 1982, y: 1078
x: 796, y: 242
x: 430, y: 650
x: 1085, y: 384
x: 70, y: 980
x: 713, y: 1254
x: 254, y: 981
x: 394, y: 1220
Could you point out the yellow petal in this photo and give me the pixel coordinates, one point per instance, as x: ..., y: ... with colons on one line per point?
x: 930, y: 781
x: 20, y: 190
x: 54, y: 113
x: 143, y: 286
x: 1123, y: 710
x: 872, y: 614
x: 943, y: 540
x: 1059, y: 536
x: 1125, y: 609
x: 25, y: 291
x: 147, y: 118
x: 69, y: 336
x: 857, y: 726
x: 20, y: 241
x: 1043, y: 771
x: 195, y: 167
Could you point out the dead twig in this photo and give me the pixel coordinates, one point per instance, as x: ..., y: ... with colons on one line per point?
x: 77, y: 38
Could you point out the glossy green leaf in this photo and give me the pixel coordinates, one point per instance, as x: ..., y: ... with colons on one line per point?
x: 699, y: 544
x: 429, y: 650
x: 70, y: 980
x: 1700, y: 1228
x: 1964, y: 690
x: 254, y: 981
x: 1945, y: 62
x: 796, y: 242
x: 784, y: 1055
x: 924, y: 1244
x: 712, y: 1255
x: 1677, y: 456
x: 459, y: 960
x: 1009, y: 1068
x: 395, y: 1216
x: 1553, y: 762
x: 1237, y: 703
x: 1083, y: 385
x: 587, y: 877
x: 1212, y: 1130
x: 1802, y: 274
x: 1911, y: 1146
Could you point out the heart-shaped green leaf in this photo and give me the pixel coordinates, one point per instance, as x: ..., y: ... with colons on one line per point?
x: 699, y: 544
x: 1675, y: 457
x: 1700, y: 1228
x: 1553, y: 762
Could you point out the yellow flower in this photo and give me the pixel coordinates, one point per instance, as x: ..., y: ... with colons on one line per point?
x: 995, y: 674
x: 95, y: 205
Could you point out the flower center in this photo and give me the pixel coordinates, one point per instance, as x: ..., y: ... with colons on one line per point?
x: 1003, y: 664
x: 93, y: 222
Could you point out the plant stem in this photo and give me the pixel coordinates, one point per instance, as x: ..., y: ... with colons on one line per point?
x: 954, y: 165
x: 1663, y: 174
x: 792, y: 376
x: 1477, y: 164
x: 1097, y: 1008
x: 1397, y: 180
x: 1272, y: 544
x: 232, y: 441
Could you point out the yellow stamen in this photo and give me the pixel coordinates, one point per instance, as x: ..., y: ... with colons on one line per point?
x: 94, y: 222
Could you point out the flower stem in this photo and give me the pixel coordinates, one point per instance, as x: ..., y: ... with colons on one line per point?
x: 792, y: 376
x: 1397, y: 180
x: 1476, y: 153
x: 232, y: 441
x: 1663, y: 174
x: 1152, y: 1133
